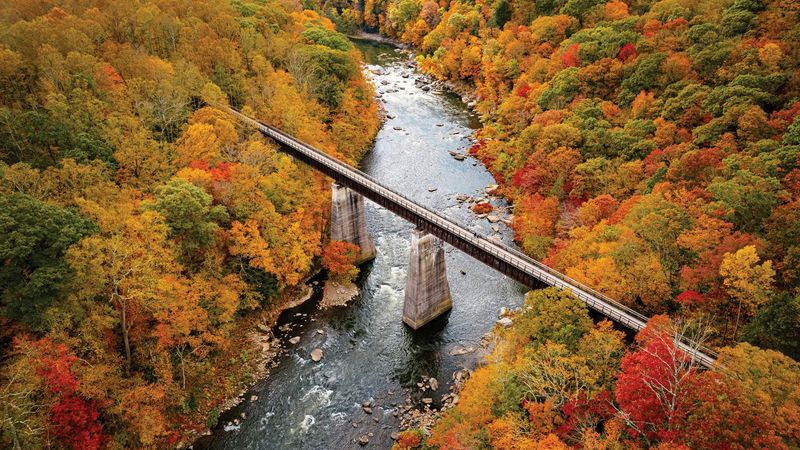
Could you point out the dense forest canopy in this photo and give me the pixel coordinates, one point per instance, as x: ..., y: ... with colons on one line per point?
x: 652, y: 151
x: 138, y: 221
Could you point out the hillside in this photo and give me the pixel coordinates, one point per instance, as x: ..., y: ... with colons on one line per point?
x: 651, y: 150
x: 140, y: 225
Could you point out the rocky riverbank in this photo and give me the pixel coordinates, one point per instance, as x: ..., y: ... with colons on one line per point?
x: 336, y: 293
x: 260, y: 340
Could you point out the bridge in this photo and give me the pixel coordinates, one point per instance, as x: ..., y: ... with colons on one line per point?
x: 500, y: 257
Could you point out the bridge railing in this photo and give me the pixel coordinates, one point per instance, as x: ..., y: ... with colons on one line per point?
x: 594, y: 299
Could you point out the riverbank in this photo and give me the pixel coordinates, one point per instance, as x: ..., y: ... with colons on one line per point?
x: 255, y: 335
x: 369, y: 355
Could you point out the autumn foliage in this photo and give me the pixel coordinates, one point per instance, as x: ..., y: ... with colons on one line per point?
x: 651, y: 151
x: 339, y: 259
x: 642, y: 144
x: 141, y: 226
x: 74, y: 420
x: 537, y: 393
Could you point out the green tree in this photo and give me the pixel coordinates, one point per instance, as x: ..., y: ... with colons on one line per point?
x: 189, y: 213
x: 403, y: 12
x: 33, y: 239
x: 792, y: 135
x: 502, y: 14
x: 750, y: 197
x: 331, y: 39
x: 554, y: 315
x: 777, y: 325
x: 563, y: 88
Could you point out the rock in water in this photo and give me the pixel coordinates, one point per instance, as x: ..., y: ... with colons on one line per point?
x: 505, y: 322
x: 316, y: 354
x: 363, y: 440
x: 294, y: 340
x: 433, y: 384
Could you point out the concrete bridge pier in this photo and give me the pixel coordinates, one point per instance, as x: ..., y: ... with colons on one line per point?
x: 427, y: 291
x: 349, y: 223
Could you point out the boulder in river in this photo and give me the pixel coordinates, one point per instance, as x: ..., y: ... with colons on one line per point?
x: 363, y: 440
x: 505, y: 322
x: 335, y: 293
x: 316, y: 354
x: 294, y: 340
x: 461, y: 350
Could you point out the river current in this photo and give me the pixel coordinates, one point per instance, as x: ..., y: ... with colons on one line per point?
x: 369, y: 354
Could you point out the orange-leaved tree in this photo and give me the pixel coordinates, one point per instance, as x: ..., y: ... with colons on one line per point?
x: 339, y: 258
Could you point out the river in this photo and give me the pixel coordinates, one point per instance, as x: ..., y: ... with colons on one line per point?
x: 369, y: 354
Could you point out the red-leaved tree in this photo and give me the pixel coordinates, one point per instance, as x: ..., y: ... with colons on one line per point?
x: 339, y: 258
x: 74, y: 420
x: 658, y: 382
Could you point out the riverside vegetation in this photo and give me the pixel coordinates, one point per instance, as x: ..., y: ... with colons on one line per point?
x: 650, y: 149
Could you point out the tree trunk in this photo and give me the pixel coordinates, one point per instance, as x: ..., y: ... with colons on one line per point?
x: 183, y: 368
x: 738, y: 314
x: 14, y: 437
x: 125, y: 339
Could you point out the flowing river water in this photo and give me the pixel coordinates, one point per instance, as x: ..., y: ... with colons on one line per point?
x: 369, y: 354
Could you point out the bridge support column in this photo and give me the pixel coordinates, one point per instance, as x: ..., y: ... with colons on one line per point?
x: 349, y: 223
x: 427, y: 291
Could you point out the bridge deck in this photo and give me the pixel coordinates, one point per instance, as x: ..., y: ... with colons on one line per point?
x: 504, y: 259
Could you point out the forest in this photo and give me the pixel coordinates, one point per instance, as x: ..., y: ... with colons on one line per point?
x: 652, y: 151
x: 139, y: 223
